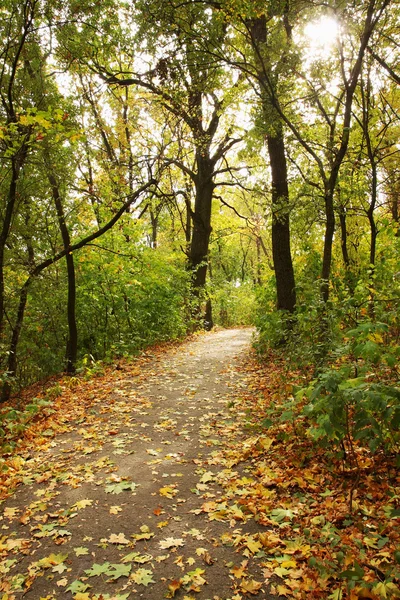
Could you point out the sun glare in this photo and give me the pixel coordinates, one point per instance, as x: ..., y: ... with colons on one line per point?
x: 322, y: 34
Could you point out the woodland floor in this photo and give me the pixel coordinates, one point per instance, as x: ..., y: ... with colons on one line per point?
x: 151, y: 480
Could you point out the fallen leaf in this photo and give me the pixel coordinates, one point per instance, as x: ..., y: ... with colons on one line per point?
x: 251, y: 586
x: 142, y: 577
x: 118, y: 539
x: 171, y: 543
x: 114, y: 510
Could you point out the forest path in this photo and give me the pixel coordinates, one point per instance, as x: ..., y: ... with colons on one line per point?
x: 127, y: 502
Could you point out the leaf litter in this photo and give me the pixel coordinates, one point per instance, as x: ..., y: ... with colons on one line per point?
x: 211, y: 503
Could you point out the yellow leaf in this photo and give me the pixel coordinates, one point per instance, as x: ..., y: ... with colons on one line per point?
x: 162, y: 524
x: 114, y: 510
x: 253, y: 545
x: 238, y: 572
x: 168, y: 492
x: 265, y: 442
x: 251, y: 586
x: 282, y: 590
x: 208, y: 476
x: 287, y: 564
x: 82, y: 504
x: 118, y: 539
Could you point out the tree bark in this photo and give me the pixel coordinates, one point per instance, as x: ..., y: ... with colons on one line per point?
x: 198, y: 252
x: 283, y: 266
x: 72, y: 341
x: 281, y: 253
x: 17, y: 162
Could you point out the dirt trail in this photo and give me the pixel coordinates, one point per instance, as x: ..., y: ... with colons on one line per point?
x: 120, y: 506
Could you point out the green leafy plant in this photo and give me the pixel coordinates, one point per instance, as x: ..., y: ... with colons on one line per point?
x: 346, y: 403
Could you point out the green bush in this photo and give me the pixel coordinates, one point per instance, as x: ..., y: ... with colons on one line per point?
x: 347, y: 403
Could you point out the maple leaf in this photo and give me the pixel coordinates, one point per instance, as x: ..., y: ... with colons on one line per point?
x: 119, y: 571
x: 283, y: 591
x: 77, y: 586
x: 145, y: 534
x: 171, y: 543
x: 59, y: 568
x: 280, y: 514
x: 10, y: 513
x: 208, y: 476
x: 253, y: 545
x: 62, y: 533
x: 97, y: 569
x: 162, y: 524
x: 122, y: 486
x: 142, y: 577
x: 52, y: 560
x: 240, y: 572
x: 168, y: 491
x: 82, y: 504
x: 251, y: 586
x: 265, y: 442
x: 173, y: 587
x: 81, y: 551
x: 118, y: 539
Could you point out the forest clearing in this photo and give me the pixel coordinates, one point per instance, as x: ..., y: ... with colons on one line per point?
x: 175, y: 167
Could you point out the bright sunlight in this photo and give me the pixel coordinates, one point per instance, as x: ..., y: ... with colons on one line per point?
x: 322, y: 34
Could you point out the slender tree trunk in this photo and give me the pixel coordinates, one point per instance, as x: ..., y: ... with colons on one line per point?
x: 12, y: 355
x: 17, y: 162
x: 281, y: 254
x: 72, y: 342
x: 395, y: 208
x: 284, y: 273
x: 258, y: 266
x: 371, y: 218
x: 350, y: 278
x: 328, y: 240
x: 154, y: 228
x: 343, y: 239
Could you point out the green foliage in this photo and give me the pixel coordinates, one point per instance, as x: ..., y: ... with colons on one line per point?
x: 126, y: 305
x: 305, y: 336
x: 347, y: 403
x: 234, y: 304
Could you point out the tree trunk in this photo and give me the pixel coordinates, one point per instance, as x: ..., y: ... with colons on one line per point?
x: 154, y: 228
x: 284, y: 273
x: 198, y: 252
x: 17, y: 162
x: 328, y: 241
x: 12, y: 355
x: 281, y: 255
x: 72, y: 342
